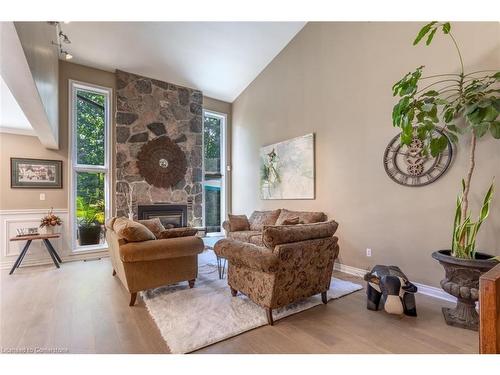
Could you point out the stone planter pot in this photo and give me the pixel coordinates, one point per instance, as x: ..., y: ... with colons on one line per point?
x: 462, y: 281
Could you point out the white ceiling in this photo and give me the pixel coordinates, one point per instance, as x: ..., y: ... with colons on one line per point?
x: 219, y: 58
x: 12, y: 118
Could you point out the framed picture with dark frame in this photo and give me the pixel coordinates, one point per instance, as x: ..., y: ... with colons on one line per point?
x: 35, y: 173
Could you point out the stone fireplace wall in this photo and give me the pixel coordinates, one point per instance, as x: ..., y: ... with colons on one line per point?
x: 147, y: 108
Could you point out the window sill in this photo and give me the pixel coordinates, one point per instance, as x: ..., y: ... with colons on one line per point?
x: 90, y: 249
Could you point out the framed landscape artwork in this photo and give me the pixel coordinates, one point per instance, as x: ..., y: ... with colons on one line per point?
x: 35, y: 173
x: 287, y: 169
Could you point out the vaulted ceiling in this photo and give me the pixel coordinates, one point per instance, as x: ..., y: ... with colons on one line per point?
x: 219, y: 58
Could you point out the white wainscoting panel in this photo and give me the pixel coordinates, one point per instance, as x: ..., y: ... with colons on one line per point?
x: 10, y: 220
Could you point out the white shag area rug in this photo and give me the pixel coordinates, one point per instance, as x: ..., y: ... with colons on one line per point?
x: 190, y: 319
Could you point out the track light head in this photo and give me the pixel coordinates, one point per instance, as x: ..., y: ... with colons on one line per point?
x: 64, y: 38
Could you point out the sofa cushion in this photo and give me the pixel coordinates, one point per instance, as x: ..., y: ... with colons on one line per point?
x: 178, y: 232
x: 292, y: 221
x: 161, y: 249
x: 238, y: 222
x: 154, y: 225
x: 280, y: 234
x: 110, y: 222
x: 247, y: 255
x: 261, y: 218
x: 305, y: 217
x: 132, y: 231
x: 256, y: 239
x: 243, y: 235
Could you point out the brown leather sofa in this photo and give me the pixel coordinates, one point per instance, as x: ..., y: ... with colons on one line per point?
x: 251, y: 232
x: 296, y: 262
x: 153, y: 263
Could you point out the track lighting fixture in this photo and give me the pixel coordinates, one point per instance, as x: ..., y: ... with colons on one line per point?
x: 61, y: 38
x: 64, y: 38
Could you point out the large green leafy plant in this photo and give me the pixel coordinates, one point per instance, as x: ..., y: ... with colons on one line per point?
x: 458, y: 104
x: 89, y: 214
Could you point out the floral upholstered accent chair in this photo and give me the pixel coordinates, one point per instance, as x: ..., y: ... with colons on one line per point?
x: 296, y: 262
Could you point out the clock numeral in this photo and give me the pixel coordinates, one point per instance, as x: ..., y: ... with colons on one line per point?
x: 403, y: 179
x: 393, y: 171
x: 439, y: 167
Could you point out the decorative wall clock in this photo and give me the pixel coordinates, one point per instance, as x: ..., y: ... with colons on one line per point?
x: 162, y: 162
x: 409, y: 166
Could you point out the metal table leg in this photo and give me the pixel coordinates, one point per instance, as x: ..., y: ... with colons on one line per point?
x: 52, y: 255
x: 20, y: 257
x: 49, y: 246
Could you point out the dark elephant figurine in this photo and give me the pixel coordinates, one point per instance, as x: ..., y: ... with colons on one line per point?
x: 391, y: 285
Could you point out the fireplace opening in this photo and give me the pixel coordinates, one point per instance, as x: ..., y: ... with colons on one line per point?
x: 169, y: 214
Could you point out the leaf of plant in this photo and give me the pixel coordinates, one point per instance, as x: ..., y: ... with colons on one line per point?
x: 452, y: 136
x: 470, y: 108
x: 484, y: 103
x: 440, y: 101
x: 481, y: 129
x: 446, y: 27
x: 449, y: 114
x: 497, y: 76
x: 490, y: 114
x: 496, y: 104
x: 431, y: 93
x: 431, y: 35
x: 406, y: 138
x: 476, y: 116
x: 495, y: 129
x: 423, y: 31
x: 427, y: 107
x: 433, y: 114
x: 438, y: 145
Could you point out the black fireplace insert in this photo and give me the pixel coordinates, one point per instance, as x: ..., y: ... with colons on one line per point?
x: 169, y: 214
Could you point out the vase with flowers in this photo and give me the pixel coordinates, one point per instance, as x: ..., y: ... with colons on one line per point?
x: 50, y: 222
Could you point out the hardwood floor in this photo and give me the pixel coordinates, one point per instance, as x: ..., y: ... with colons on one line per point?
x: 81, y: 308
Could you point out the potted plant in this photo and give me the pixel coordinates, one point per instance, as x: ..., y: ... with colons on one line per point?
x: 50, y: 222
x: 460, y: 105
x: 90, y: 217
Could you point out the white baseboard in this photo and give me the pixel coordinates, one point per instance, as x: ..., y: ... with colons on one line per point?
x: 427, y: 290
x: 7, y: 264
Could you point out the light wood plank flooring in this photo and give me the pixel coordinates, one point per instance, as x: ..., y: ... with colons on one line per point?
x: 83, y: 309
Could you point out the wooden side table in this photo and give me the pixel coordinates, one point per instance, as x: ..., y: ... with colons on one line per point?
x: 45, y: 238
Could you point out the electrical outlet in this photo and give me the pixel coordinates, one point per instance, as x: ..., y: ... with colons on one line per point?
x: 42, y: 196
x: 368, y: 252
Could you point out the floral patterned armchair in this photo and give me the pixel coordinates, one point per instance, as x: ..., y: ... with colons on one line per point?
x: 295, y: 263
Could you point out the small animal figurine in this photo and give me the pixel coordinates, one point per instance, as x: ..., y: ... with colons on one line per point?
x: 391, y: 285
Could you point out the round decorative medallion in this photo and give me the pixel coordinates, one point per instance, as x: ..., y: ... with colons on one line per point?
x: 161, y: 162
x: 409, y: 166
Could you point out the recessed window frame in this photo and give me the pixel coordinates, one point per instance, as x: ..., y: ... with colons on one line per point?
x: 223, y: 166
x: 74, y: 167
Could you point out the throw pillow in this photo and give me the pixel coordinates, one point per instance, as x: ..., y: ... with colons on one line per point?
x: 306, y: 217
x: 292, y: 221
x: 274, y: 235
x: 177, y: 232
x: 132, y: 231
x: 238, y: 223
x: 261, y: 218
x: 154, y: 225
